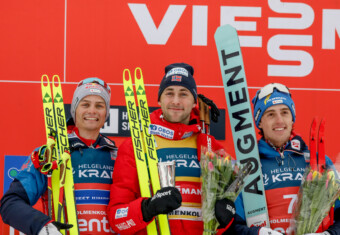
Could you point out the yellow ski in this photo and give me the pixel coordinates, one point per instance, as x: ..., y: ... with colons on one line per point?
x: 66, y: 176
x: 149, y: 144
x: 137, y: 142
x: 61, y: 179
x: 53, y: 179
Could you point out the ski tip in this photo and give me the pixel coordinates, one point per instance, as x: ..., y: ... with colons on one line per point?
x: 323, y: 121
x: 322, y: 127
x: 45, y: 80
x: 56, y: 80
x: 225, y: 29
x: 126, y: 78
x: 314, y: 122
x: 138, y: 73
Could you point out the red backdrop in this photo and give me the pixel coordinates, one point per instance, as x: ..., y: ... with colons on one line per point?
x: 291, y: 42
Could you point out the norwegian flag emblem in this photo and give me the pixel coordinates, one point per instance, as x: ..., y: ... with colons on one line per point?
x: 176, y: 78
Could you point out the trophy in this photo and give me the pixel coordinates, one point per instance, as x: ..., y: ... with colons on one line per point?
x: 166, y: 172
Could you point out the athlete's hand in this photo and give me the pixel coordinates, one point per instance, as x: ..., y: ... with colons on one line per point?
x: 164, y: 201
x: 268, y: 231
x: 224, y: 212
x: 54, y: 228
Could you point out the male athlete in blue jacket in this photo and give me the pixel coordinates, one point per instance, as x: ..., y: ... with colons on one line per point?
x: 284, y: 157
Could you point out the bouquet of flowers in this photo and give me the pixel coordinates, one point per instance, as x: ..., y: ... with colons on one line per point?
x: 220, y: 179
x: 317, y: 194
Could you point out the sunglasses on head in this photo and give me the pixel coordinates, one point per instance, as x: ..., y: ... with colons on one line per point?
x: 95, y: 80
x: 269, y: 89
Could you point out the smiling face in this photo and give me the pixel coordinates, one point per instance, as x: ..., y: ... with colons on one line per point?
x: 277, y: 124
x: 176, y: 103
x: 90, y: 116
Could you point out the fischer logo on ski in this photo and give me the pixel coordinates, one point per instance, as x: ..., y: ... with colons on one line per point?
x: 143, y: 143
x: 242, y: 125
x: 58, y: 167
x: 149, y: 143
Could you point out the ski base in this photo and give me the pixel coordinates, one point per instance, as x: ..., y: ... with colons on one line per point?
x: 242, y: 125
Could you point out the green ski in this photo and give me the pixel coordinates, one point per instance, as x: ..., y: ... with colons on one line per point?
x: 242, y: 124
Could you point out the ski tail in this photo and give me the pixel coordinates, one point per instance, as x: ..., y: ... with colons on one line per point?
x: 149, y: 144
x: 137, y: 142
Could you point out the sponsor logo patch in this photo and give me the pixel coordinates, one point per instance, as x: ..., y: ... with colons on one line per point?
x: 231, y: 209
x: 259, y: 220
x: 125, y: 225
x: 306, y: 156
x: 95, y: 91
x: 187, y: 134
x: 180, y: 71
x: 92, y: 197
x: 266, y: 100
x: 161, y: 131
x: 113, y: 154
x: 257, y: 114
x: 108, y: 141
x: 265, y: 179
x: 277, y: 101
x: 296, y: 144
x: 122, y: 212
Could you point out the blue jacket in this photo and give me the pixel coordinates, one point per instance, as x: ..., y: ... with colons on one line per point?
x: 282, y: 175
x: 92, y: 172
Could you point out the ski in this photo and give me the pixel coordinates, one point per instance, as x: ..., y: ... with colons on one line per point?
x: 66, y: 176
x: 317, y: 145
x: 242, y: 124
x: 137, y: 142
x: 50, y: 132
x: 62, y: 178
x: 317, y: 157
x: 312, y: 145
x: 149, y: 143
x: 321, y: 147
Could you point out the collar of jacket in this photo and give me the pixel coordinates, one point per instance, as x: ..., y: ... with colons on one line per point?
x: 295, y: 144
x: 181, y: 131
x: 102, y: 141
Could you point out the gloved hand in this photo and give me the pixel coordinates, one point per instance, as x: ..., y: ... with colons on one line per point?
x: 54, y: 228
x: 268, y: 231
x: 224, y: 212
x: 323, y: 233
x: 164, y: 201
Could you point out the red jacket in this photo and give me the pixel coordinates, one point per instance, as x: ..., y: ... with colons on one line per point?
x: 125, y: 193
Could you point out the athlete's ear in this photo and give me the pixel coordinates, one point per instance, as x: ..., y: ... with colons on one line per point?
x: 159, y: 103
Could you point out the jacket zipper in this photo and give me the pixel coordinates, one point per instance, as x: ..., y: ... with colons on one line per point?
x: 282, y: 157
